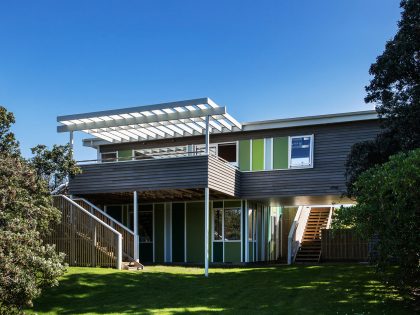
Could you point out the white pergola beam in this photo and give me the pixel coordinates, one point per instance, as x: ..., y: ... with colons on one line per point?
x: 142, y: 119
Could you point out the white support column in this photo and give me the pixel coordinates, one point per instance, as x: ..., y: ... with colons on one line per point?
x: 207, y: 144
x: 136, y: 227
x: 71, y: 142
x: 206, y: 231
x: 246, y: 232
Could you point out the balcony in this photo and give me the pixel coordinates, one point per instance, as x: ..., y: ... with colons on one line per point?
x: 159, y: 178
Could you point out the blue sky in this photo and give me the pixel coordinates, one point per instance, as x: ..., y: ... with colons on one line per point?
x: 261, y: 59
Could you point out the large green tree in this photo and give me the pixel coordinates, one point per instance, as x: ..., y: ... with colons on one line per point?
x: 27, y: 264
x: 395, y: 91
x: 388, y: 210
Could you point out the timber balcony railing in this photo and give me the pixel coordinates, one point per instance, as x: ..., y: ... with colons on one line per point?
x: 181, y: 171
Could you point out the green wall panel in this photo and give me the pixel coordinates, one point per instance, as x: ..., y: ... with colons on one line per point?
x: 257, y: 154
x: 244, y: 155
x: 159, y: 233
x: 178, y: 232
x: 251, y: 251
x: 280, y: 153
x: 232, y: 203
x: 217, y: 251
x: 195, y: 232
x: 232, y: 251
x: 124, y: 155
x: 146, y: 252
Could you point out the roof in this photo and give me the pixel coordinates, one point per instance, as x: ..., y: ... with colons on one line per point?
x: 151, y: 122
x: 179, y: 119
x: 310, y: 120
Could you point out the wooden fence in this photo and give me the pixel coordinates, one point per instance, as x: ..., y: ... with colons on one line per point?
x: 86, y: 240
x: 343, y: 245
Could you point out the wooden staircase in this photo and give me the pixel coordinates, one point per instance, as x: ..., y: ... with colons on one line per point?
x: 310, y: 248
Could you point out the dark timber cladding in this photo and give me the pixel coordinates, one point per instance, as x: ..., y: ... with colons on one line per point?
x: 158, y: 174
x: 332, y: 145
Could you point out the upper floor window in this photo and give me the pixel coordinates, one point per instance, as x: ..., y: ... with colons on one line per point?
x: 301, y: 151
x: 109, y: 157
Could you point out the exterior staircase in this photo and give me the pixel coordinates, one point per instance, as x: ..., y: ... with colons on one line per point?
x: 310, y: 248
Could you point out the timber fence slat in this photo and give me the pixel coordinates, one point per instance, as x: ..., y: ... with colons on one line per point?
x: 85, y: 240
x: 343, y: 245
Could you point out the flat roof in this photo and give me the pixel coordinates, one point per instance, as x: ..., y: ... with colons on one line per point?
x: 310, y: 120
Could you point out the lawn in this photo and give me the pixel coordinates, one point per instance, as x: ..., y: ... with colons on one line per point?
x: 324, y: 289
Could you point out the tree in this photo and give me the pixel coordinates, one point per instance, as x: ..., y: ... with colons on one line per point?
x: 8, y: 142
x: 27, y: 265
x: 388, y: 208
x: 54, y: 166
x: 395, y: 90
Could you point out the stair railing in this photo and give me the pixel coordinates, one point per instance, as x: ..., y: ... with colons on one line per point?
x: 85, y: 239
x: 296, y: 233
x: 127, y: 234
x: 329, y: 218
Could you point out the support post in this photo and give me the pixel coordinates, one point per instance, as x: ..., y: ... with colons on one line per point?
x: 71, y: 142
x: 136, y: 227
x: 246, y: 232
x: 206, y: 231
x: 207, y: 135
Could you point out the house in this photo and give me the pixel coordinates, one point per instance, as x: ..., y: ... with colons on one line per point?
x: 184, y: 182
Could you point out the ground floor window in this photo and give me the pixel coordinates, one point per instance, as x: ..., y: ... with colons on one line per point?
x: 146, y: 226
x: 226, y: 223
x: 232, y: 224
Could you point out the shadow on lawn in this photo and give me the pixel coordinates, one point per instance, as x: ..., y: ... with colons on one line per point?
x: 322, y: 289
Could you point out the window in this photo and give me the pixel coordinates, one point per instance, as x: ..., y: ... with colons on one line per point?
x: 146, y: 226
x: 109, y: 157
x: 218, y: 225
x: 227, y: 151
x: 300, y: 151
x: 232, y: 224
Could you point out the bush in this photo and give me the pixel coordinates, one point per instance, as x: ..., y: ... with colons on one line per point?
x: 388, y: 208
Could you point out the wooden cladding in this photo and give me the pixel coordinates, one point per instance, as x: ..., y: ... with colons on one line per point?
x: 343, y: 245
x: 192, y: 172
x: 83, y: 239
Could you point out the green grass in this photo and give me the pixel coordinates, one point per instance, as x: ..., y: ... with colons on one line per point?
x: 324, y: 289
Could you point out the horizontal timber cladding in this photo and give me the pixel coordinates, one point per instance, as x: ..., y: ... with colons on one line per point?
x: 153, y: 174
x: 158, y: 174
x: 223, y: 177
x: 332, y: 145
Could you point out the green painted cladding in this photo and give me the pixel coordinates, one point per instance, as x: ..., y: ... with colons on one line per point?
x: 195, y: 232
x: 159, y: 233
x: 232, y: 204
x: 124, y: 155
x: 217, y: 251
x: 244, y: 155
x: 232, y: 251
x: 178, y: 232
x: 280, y: 153
x: 257, y: 154
x: 146, y: 252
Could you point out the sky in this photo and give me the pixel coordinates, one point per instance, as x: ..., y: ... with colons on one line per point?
x: 261, y: 59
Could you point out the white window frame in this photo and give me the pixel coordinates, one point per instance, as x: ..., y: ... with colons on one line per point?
x: 311, y: 152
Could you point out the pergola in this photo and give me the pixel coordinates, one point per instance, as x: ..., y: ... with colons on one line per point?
x: 193, y: 117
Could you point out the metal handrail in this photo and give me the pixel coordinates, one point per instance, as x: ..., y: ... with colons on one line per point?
x: 106, y: 215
